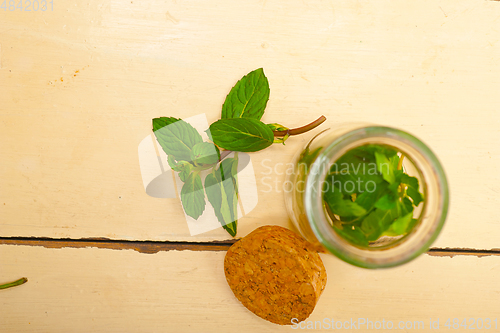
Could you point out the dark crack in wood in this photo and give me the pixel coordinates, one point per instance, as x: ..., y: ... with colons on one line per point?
x: 151, y: 247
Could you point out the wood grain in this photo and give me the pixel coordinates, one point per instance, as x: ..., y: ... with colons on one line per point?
x: 80, y: 84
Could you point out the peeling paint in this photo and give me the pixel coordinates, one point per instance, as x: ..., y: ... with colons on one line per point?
x: 452, y: 252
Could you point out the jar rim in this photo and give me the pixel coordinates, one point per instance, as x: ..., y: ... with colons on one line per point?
x: 413, y: 244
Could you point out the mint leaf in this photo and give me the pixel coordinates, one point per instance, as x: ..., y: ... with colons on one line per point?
x: 399, y: 226
x: 355, y: 172
x: 205, y: 153
x: 387, y: 201
x: 377, y: 222
x: 171, y: 162
x: 241, y: 134
x: 178, y: 166
x: 185, y: 170
x: 222, y: 193
x: 368, y: 199
x: 406, y: 205
x: 352, y: 234
x: 219, y: 201
x: 394, y: 161
x: 384, y: 166
x: 176, y: 137
x: 397, y: 175
x: 340, y: 206
x: 412, y: 189
x: 229, y: 172
x: 192, y: 196
x: 229, y: 167
x: 248, y: 98
x: 183, y: 167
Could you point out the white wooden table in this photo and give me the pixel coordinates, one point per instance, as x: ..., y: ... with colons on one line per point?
x: 79, y: 85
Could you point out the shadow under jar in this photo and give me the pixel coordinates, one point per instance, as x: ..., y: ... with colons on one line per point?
x: 373, y: 196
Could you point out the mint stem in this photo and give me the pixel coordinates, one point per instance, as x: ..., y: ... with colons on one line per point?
x: 293, y: 131
x: 400, y: 163
x: 15, y: 283
x: 224, y: 153
x: 303, y: 129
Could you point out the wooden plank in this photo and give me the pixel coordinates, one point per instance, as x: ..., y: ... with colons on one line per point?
x: 82, y: 290
x: 81, y: 83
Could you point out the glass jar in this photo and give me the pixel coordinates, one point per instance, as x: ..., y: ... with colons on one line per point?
x: 307, y: 210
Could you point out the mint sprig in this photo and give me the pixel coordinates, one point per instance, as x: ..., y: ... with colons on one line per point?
x: 14, y: 283
x: 239, y: 129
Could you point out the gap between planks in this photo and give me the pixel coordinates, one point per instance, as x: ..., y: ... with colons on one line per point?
x: 151, y: 247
